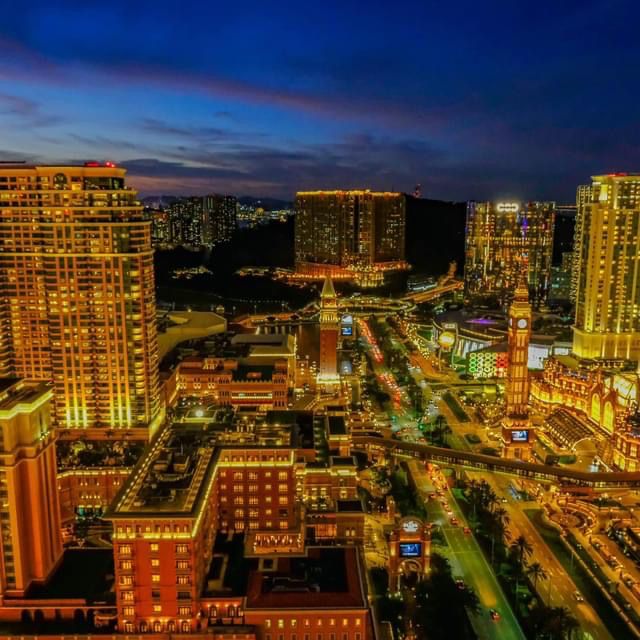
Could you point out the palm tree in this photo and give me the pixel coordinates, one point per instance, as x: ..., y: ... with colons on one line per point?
x: 521, y: 548
x: 535, y: 571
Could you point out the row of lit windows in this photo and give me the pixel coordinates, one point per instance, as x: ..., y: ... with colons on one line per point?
x: 280, y: 623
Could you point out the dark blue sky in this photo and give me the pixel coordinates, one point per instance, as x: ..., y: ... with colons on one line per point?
x: 471, y: 99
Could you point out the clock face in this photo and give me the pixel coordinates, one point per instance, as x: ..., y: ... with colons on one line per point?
x: 522, y: 323
x: 410, y: 526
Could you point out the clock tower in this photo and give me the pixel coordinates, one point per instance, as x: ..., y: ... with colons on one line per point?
x: 329, y: 329
x: 517, y: 433
x: 409, y: 551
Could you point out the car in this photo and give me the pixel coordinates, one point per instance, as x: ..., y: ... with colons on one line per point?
x: 494, y: 614
x: 578, y: 596
x: 467, y: 530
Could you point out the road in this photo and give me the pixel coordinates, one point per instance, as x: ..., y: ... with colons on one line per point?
x: 559, y: 588
x: 469, y: 563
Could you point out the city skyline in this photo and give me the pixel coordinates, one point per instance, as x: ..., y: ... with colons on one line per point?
x: 472, y: 104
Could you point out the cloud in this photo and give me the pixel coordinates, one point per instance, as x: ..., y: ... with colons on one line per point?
x: 28, y: 111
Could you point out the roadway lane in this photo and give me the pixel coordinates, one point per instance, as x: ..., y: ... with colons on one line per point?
x: 559, y: 588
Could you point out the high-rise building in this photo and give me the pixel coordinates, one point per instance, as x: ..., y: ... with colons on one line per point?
x: 219, y: 218
x: 29, y: 510
x: 329, y: 328
x: 562, y: 278
x: 77, y: 296
x: 185, y: 219
x: 349, y: 234
x: 583, y: 195
x: 202, y: 220
x: 517, y: 434
x: 499, y: 235
x: 607, y: 270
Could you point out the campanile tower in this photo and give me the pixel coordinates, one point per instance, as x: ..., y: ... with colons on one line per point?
x: 329, y: 328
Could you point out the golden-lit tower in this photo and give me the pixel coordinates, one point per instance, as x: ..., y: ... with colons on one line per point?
x: 607, y: 269
x: 517, y: 434
x: 329, y: 329
x: 29, y: 507
x: 77, y: 293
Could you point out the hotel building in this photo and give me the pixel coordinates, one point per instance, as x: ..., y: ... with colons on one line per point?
x: 498, y: 236
x: 207, y: 531
x: 77, y: 297
x: 606, y: 268
x: 355, y: 235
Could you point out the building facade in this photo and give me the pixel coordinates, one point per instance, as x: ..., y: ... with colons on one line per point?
x: 606, y: 269
x: 498, y: 236
x: 29, y: 507
x: 349, y: 234
x: 77, y: 303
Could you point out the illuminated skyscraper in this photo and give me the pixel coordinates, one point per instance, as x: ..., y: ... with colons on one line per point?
x: 498, y: 236
x: 77, y: 298
x: 29, y: 509
x: 349, y: 234
x: 607, y: 269
x: 517, y: 435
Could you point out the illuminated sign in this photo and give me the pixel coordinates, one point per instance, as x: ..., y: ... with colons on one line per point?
x: 347, y: 331
x: 521, y: 435
x: 348, y: 319
x: 447, y: 339
x: 410, y: 526
x: 508, y: 207
x: 410, y: 549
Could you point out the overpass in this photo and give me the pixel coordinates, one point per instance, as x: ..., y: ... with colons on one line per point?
x: 436, y: 292
x: 540, y: 472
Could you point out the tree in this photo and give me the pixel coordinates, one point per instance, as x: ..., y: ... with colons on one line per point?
x: 522, y: 549
x: 536, y: 571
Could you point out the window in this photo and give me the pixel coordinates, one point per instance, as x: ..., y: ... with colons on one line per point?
x: 184, y: 580
x: 280, y: 623
x: 345, y: 622
x: 184, y: 611
x: 128, y: 612
x: 182, y: 548
x: 125, y: 565
x: 126, y: 581
x: 125, y: 550
x: 155, y: 562
x: 182, y: 564
x: 127, y: 596
x: 283, y: 488
x: 294, y: 623
x: 157, y: 608
x: 155, y: 547
x: 155, y: 577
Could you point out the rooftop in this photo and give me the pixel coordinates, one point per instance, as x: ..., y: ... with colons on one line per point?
x: 325, y: 578
x: 175, y: 473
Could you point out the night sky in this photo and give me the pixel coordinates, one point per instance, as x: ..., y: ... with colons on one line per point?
x: 470, y: 99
